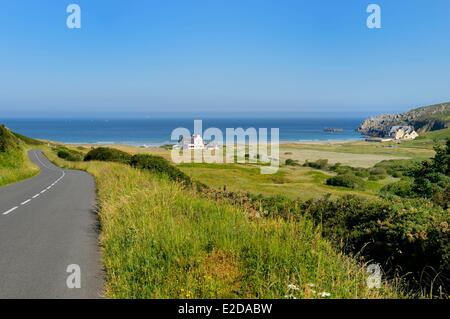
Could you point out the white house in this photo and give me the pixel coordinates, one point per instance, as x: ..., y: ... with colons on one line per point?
x: 194, y: 142
x: 403, y: 133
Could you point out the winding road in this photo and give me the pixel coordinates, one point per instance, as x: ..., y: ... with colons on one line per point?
x: 49, y: 235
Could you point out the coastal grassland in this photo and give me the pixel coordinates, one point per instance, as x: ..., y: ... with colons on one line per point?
x: 14, y: 163
x: 160, y: 240
x: 294, y: 182
x: 366, y: 154
x: 306, y: 182
x: 357, y: 154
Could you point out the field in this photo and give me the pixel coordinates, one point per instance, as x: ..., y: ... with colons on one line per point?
x: 305, y: 182
x: 162, y: 241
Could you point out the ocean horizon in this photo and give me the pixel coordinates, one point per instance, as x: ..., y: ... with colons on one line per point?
x: 157, y: 131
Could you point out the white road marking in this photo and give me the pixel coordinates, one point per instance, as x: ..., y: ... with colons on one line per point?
x: 26, y: 202
x: 11, y: 210
x: 39, y: 160
x: 43, y: 191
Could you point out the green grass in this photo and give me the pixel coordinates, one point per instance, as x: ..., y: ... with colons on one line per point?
x: 15, y: 166
x: 292, y: 181
x: 161, y: 241
x: 14, y: 163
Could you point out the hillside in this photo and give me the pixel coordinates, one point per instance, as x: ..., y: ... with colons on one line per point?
x: 8, y: 141
x: 423, y: 119
x: 14, y: 164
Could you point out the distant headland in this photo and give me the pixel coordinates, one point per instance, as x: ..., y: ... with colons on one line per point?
x: 409, y: 124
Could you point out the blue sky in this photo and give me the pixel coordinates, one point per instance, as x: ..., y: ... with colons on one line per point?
x: 197, y: 57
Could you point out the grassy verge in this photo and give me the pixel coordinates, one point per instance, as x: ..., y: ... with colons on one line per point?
x: 162, y: 241
x: 16, y: 166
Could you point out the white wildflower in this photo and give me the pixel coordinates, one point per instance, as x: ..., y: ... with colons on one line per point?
x: 293, y: 287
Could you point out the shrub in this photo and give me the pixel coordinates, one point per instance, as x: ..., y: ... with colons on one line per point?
x: 319, y: 164
x: 335, y: 166
x: 363, y: 173
x: 107, y: 154
x: 377, y: 171
x: 396, y: 168
x: 432, y: 178
x: 402, y: 188
x: 397, y: 174
x: 411, y: 236
x: 159, y: 165
x: 376, y: 177
x: 346, y: 180
x: 69, y: 155
x: 291, y: 162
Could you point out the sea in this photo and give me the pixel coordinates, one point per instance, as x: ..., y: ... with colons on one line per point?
x: 157, y: 131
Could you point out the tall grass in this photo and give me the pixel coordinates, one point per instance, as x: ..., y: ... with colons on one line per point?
x: 15, y: 166
x: 162, y: 241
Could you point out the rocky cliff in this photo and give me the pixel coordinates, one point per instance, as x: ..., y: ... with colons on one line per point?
x: 423, y: 119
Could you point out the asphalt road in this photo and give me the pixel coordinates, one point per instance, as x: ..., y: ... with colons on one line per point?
x: 47, y: 224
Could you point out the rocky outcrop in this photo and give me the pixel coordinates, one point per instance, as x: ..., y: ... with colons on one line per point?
x: 423, y: 119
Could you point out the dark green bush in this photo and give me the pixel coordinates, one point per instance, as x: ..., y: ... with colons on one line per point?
x: 402, y: 188
x: 160, y: 165
x: 335, y: 166
x: 363, y: 173
x: 345, y: 169
x: 319, y: 164
x: 346, y: 180
x: 107, y: 154
x: 396, y: 167
x: 397, y: 174
x: 377, y: 171
x: 291, y: 162
x: 68, y: 154
x: 412, y: 236
x: 376, y: 177
x: 431, y: 179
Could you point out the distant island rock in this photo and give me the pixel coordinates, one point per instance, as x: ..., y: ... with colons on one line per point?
x: 422, y: 119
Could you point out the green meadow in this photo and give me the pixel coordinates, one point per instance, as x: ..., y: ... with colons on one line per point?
x: 162, y: 239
